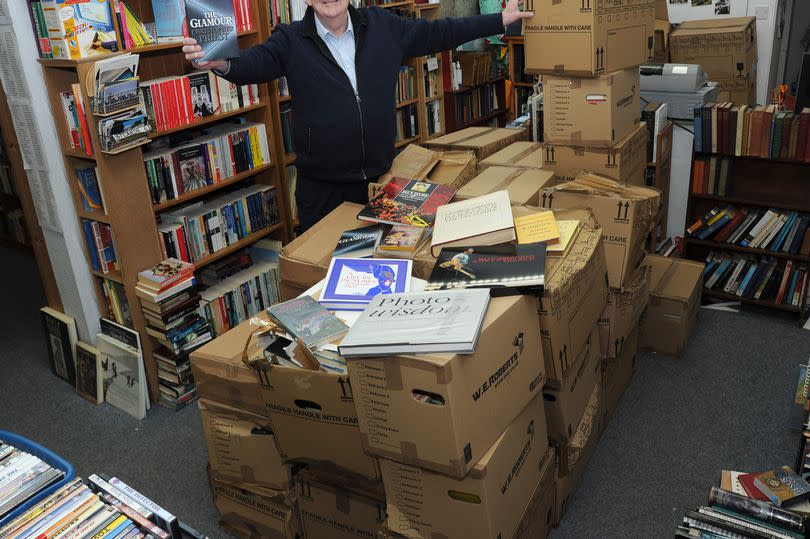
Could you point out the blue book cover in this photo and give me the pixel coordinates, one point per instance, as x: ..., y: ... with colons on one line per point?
x: 710, y: 265
x: 721, y: 269
x: 698, y: 128
x: 747, y: 279
x: 717, y: 225
x: 798, y: 238
x: 89, y: 189
x: 352, y: 282
x: 169, y: 16
x: 91, y: 245
x: 777, y: 243
x: 788, y: 299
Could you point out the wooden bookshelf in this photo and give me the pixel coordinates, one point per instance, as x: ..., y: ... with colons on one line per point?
x: 520, y: 86
x: 430, y: 12
x: 129, y: 209
x: 453, y: 107
x: 757, y: 183
x: 658, y: 175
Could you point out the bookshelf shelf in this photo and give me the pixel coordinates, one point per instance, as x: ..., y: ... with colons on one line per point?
x: 434, y: 98
x: 484, y: 118
x: 754, y: 158
x: 733, y: 297
x: 402, y: 104
x: 284, y: 98
x: 428, y: 6
x: 394, y: 4
x: 241, y: 244
x: 289, y: 159
x: 207, y: 120
x: 93, y: 216
x: 473, y: 87
x: 79, y: 154
x: 112, y: 275
x: 405, y: 141
x: 750, y: 202
x: 198, y: 193
x: 748, y: 250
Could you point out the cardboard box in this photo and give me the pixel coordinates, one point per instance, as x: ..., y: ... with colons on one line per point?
x: 523, y: 185
x: 623, y: 312
x: 566, y: 404
x: 625, y: 162
x: 453, y: 168
x: 242, y: 448
x: 256, y: 512
x: 483, y: 141
x: 574, y: 294
x: 482, y: 392
x: 661, y: 41
x: 596, y: 112
x: 573, y: 458
x: 488, y: 502
x: 73, y: 29
x: 221, y: 375
x: 725, y: 47
x: 675, y: 289
x: 536, y: 520
x: 520, y: 154
x: 616, y: 376
x: 288, y: 291
x: 625, y: 212
x: 314, y: 420
x: 738, y: 91
x: 304, y: 261
x: 329, y: 512
x: 583, y: 38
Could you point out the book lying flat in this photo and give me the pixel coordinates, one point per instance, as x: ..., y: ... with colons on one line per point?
x: 418, y: 323
x: 352, y: 282
x: 407, y: 202
x: 359, y: 243
x: 484, y: 220
x: 305, y: 319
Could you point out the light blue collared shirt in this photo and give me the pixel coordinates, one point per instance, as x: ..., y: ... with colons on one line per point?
x: 342, y: 48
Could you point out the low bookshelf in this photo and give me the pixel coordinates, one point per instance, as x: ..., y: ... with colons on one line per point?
x: 522, y: 83
x: 750, y: 187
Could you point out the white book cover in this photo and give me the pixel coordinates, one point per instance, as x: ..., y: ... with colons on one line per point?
x: 467, y: 219
x: 425, y: 322
x: 124, y: 375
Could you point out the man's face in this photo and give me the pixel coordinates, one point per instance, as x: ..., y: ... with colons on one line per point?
x: 329, y: 9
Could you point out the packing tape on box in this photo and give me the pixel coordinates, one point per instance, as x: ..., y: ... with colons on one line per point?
x: 342, y: 502
x: 409, y: 453
x: 393, y: 375
x: 466, y: 139
x: 508, y: 180
x: 576, y: 138
x: 247, y: 473
x: 393, y: 372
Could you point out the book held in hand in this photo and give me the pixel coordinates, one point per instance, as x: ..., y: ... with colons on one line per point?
x: 504, y: 268
x: 352, y: 282
x: 418, y: 323
x: 407, y: 202
x: 213, y: 24
x: 484, y: 220
x: 303, y: 318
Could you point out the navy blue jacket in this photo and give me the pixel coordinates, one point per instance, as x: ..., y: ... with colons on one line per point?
x: 340, y: 136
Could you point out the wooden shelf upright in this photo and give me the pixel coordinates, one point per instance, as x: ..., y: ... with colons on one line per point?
x: 522, y: 84
x: 129, y: 208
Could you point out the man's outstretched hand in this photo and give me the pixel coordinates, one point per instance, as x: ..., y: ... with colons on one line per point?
x: 194, y: 51
x: 511, y: 13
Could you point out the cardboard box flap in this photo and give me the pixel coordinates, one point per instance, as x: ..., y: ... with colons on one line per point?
x: 524, y: 154
x: 592, y: 184
x: 414, y: 162
x: 588, y: 426
x: 304, y: 249
x: 462, y: 136
x: 673, y: 278
x: 704, y: 26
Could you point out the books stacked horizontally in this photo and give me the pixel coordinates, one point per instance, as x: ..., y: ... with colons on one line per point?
x: 771, y: 504
x: 176, y: 381
x: 22, y: 476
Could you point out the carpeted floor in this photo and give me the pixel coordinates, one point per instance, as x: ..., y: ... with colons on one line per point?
x: 725, y: 404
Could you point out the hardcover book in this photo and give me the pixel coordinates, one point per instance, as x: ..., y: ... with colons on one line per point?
x: 303, y: 318
x: 402, y: 238
x: 359, y: 243
x: 351, y: 282
x: 418, y: 323
x: 89, y: 383
x: 407, y: 202
x: 213, y: 24
x: 168, y: 20
x: 504, y: 268
x: 60, y: 332
x: 783, y: 486
x: 165, y: 274
x: 484, y: 220
x: 122, y: 369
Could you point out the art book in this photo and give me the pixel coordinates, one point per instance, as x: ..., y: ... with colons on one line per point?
x: 407, y: 202
x: 213, y: 24
x: 89, y: 383
x: 60, y: 332
x: 507, y: 269
x: 351, y: 282
x: 359, y: 243
x: 402, y: 238
x: 484, y: 220
x: 303, y: 318
x: 122, y: 369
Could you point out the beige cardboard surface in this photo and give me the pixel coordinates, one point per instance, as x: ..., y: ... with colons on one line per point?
x: 242, y: 448
x: 536, y: 520
x: 314, y: 419
x: 574, y: 294
x: 525, y: 154
x: 626, y: 214
x: 596, y: 112
x: 482, y: 393
x: 616, y: 376
x: 675, y: 289
x: 623, y: 312
x: 725, y: 47
x: 452, y: 168
x: 587, y: 37
x: 288, y: 291
x: 329, y: 512
x: 455, y: 168
x: 222, y: 377
x: 523, y: 185
x: 484, y: 141
x: 255, y: 512
x: 488, y: 502
x: 304, y: 261
x: 572, y: 459
x: 566, y: 405
x: 625, y: 162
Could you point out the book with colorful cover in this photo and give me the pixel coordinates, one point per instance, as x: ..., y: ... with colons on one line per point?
x: 782, y: 486
x: 213, y: 24
x: 89, y: 189
x: 402, y: 238
x: 506, y: 268
x: 351, y: 282
x: 303, y: 318
x: 408, y: 202
x: 358, y: 243
x: 165, y: 274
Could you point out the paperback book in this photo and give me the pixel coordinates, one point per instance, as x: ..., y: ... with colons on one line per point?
x: 351, y: 282
x: 303, y: 318
x: 408, y: 202
x: 402, y: 238
x: 60, y: 332
x: 89, y: 383
x: 359, y: 243
x: 122, y: 368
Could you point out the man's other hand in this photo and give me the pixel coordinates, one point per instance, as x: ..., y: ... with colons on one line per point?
x: 511, y: 13
x: 194, y: 51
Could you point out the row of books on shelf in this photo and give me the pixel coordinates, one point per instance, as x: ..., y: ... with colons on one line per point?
x: 23, y: 476
x: 406, y: 84
x: 220, y: 153
x: 407, y: 122
x: 758, y: 278
x: 175, y: 379
x: 134, y: 33
x: 710, y: 175
x: 7, y: 180
x: 115, y: 299
x: 755, y: 228
x: 75, y: 119
x: 193, y: 232
x: 433, y: 81
x: 476, y: 103
x: 100, y: 246
x: 13, y: 226
x: 433, y: 109
x: 755, y: 131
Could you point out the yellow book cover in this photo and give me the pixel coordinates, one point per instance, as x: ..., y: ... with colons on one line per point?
x: 536, y: 228
x: 568, y: 229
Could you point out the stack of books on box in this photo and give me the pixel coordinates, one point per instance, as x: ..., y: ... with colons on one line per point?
x: 176, y: 381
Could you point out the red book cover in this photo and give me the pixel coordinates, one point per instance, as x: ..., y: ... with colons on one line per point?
x: 181, y: 244
x: 164, y: 105
x: 731, y: 226
x: 787, y: 127
x: 237, y: 15
x: 182, y: 108
x: 697, y: 176
x: 785, y: 279
x: 747, y: 482
x: 408, y: 202
x: 177, y: 173
x: 187, y: 94
x: 804, y: 136
x: 767, y: 126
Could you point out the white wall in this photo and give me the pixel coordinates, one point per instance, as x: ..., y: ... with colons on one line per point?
x: 65, y: 246
x: 682, y: 144
x: 768, y: 15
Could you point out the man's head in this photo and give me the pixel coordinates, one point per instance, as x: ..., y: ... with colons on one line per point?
x: 331, y: 11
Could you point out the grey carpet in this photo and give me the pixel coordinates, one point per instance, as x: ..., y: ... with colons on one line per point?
x: 725, y: 404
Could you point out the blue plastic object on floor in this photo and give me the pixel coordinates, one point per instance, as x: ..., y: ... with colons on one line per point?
x: 47, y: 456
